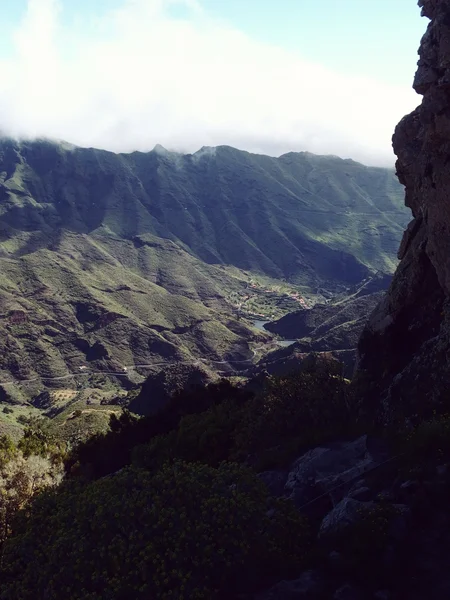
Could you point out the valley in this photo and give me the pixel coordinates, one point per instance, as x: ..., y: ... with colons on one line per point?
x: 224, y: 374
x: 116, y: 266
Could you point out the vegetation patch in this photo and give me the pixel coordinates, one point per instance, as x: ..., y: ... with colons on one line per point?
x: 187, y: 531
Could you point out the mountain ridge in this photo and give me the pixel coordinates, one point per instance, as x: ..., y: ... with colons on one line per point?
x: 153, y: 245
x: 176, y: 177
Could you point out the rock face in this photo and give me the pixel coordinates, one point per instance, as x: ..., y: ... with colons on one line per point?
x: 404, y: 351
x: 319, y: 480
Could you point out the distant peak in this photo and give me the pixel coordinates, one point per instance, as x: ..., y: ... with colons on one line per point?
x: 205, y: 151
x: 160, y: 149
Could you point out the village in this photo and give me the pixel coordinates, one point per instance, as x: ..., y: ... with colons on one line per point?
x: 261, y: 301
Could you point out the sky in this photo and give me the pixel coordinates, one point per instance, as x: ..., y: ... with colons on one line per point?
x: 268, y: 76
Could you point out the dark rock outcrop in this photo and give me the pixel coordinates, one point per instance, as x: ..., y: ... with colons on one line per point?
x: 404, y: 351
x: 42, y: 400
x: 97, y: 352
x: 158, y: 388
x: 321, y: 478
x: 346, y: 513
x: 275, y: 481
x: 325, y: 468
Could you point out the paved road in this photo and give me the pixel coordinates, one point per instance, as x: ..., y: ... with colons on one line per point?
x: 132, y: 368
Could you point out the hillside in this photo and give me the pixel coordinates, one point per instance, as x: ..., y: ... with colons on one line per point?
x: 336, y: 325
x: 302, y: 217
x: 110, y: 261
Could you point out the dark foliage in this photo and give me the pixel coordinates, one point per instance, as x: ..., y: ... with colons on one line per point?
x: 188, y: 531
x: 268, y: 430
x: 106, y: 453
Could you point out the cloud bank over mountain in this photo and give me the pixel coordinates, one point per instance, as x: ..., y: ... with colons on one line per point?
x: 164, y: 71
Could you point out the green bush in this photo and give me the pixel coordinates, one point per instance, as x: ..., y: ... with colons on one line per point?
x: 37, y: 440
x: 296, y: 411
x: 292, y: 413
x: 7, y: 450
x: 207, y: 437
x: 189, y: 531
x: 106, y: 453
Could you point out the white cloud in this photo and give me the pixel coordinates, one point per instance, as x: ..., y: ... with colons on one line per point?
x: 140, y: 76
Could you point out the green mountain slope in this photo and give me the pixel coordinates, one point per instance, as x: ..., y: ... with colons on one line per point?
x: 107, y: 304
x: 115, y: 260
x: 300, y: 216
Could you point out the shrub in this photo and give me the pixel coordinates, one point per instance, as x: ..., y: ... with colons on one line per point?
x: 292, y: 413
x: 189, y: 531
x: 295, y: 412
x: 207, y: 437
x: 7, y: 410
x: 20, y: 480
x: 7, y: 450
x: 25, y: 470
x: 103, y: 454
x: 38, y: 441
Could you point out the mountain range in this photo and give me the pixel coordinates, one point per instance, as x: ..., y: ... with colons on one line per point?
x: 115, y: 260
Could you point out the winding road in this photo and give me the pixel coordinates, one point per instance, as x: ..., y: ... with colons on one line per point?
x: 133, y: 368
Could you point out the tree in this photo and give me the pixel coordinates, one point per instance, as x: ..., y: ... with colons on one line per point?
x: 7, y: 450
x: 20, y: 479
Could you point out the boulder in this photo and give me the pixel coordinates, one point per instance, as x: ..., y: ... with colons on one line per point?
x: 344, y: 514
x: 328, y: 469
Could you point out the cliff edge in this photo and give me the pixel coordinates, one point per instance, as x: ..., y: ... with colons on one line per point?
x: 404, y: 351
